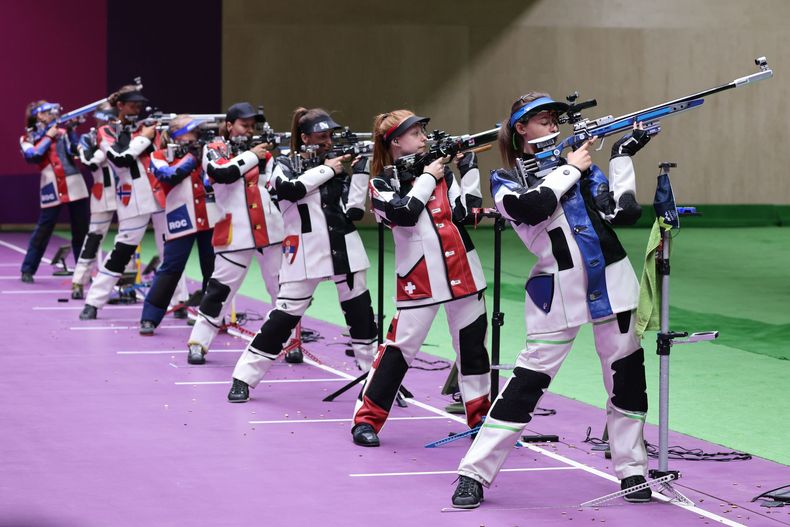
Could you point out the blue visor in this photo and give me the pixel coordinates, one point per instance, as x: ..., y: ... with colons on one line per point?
x: 191, y: 125
x: 538, y: 105
x: 46, y: 107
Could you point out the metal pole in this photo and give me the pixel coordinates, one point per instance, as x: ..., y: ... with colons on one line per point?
x: 380, y: 287
x: 663, y: 375
x: 497, y: 317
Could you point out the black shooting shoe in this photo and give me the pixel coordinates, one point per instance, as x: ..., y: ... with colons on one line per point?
x: 294, y: 356
x: 77, y: 292
x: 88, y: 312
x: 639, y: 496
x: 197, y: 355
x: 181, y: 313
x: 27, y: 278
x: 364, y: 435
x: 239, y: 392
x: 147, y: 328
x: 468, y: 494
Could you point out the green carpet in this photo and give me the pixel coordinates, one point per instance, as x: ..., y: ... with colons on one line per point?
x: 732, y: 391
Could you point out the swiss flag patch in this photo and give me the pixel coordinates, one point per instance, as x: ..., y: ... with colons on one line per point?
x: 415, y: 284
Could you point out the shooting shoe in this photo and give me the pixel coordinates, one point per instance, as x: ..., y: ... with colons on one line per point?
x: 77, y: 292
x: 639, y: 496
x: 147, y: 328
x: 239, y: 392
x: 197, y: 354
x: 364, y: 435
x: 27, y: 278
x: 468, y: 494
x: 294, y: 356
x: 181, y: 313
x: 88, y: 312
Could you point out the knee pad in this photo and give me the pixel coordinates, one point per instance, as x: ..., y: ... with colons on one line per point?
x: 119, y: 257
x: 359, y: 317
x: 391, y: 368
x: 92, y: 242
x: 629, y: 388
x: 215, y: 295
x: 472, y: 348
x: 521, y: 396
x: 274, y: 332
x: 162, y: 289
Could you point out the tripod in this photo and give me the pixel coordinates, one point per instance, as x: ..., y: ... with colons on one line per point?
x: 662, y: 477
x: 402, y: 391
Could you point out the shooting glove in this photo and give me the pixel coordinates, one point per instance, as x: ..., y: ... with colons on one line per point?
x: 629, y: 145
x: 361, y: 166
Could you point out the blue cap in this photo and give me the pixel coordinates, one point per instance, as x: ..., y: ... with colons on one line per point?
x: 538, y: 105
x: 191, y: 125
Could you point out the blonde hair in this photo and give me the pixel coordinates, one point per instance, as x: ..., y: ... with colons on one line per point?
x: 381, y: 124
x: 300, y: 116
x: 179, y: 121
x: 511, y: 144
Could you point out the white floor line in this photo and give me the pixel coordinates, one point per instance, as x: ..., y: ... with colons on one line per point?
x: 37, y: 292
x: 274, y: 381
x: 173, y: 352
x: 21, y: 250
x: 11, y: 264
x: 558, y: 457
x: 104, y: 328
x: 296, y: 420
x: 453, y: 472
x: 79, y: 308
x: 37, y: 278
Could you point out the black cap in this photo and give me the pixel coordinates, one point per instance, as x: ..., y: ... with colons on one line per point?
x: 401, y: 128
x: 132, y: 96
x: 321, y: 123
x: 244, y: 110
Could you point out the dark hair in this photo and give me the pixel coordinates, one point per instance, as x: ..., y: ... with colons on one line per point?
x: 511, y: 145
x: 113, y: 97
x: 30, y: 119
x: 301, y: 115
x: 381, y: 152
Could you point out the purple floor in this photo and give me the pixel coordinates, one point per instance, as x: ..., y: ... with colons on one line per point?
x: 103, y: 427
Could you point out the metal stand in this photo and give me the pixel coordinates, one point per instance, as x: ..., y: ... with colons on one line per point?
x: 60, y: 260
x: 402, y: 391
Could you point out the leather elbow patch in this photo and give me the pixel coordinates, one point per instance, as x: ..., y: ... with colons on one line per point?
x: 521, y: 396
x: 531, y: 207
x: 630, y: 211
x: 629, y: 388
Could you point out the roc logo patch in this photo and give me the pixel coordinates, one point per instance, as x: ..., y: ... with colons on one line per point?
x: 48, y: 194
x: 178, y: 220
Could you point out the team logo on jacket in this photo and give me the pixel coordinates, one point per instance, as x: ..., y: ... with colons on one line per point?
x: 178, y: 220
x: 48, y: 194
x: 124, y: 193
x: 290, y: 247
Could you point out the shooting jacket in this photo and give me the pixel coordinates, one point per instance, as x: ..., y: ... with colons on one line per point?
x: 188, y: 207
x: 436, y: 261
x: 248, y: 215
x: 61, y: 180
x: 582, y: 273
x: 137, y: 191
x: 320, y: 237
x: 102, y: 193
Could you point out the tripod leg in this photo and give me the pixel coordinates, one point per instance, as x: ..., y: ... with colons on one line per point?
x: 345, y: 388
